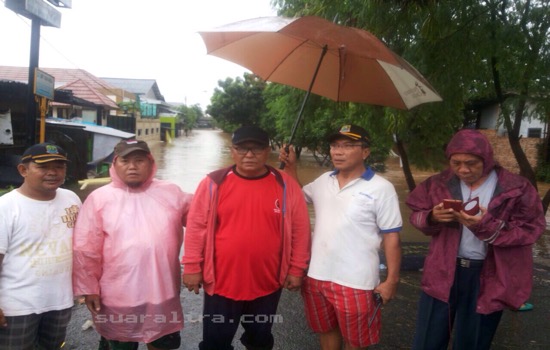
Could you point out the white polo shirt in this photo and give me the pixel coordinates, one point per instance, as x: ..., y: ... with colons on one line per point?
x: 349, y: 224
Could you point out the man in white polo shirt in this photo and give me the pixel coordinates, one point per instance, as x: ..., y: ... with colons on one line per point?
x: 356, y: 211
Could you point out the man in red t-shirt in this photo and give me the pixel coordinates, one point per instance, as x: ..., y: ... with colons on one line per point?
x: 247, y: 237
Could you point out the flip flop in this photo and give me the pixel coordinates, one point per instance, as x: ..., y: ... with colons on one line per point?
x: 526, y: 307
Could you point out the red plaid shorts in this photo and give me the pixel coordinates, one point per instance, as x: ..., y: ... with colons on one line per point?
x: 329, y: 305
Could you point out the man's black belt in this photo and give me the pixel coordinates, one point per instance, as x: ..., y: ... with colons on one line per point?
x: 469, y: 263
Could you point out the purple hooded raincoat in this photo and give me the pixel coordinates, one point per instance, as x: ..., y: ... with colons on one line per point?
x: 513, y: 222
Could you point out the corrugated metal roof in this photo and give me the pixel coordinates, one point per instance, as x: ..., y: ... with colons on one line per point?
x: 137, y: 86
x: 98, y: 129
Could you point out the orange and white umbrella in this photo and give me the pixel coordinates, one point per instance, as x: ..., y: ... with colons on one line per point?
x: 353, y: 65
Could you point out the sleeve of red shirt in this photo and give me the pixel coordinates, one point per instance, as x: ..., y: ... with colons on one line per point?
x: 195, y: 231
x: 301, y: 231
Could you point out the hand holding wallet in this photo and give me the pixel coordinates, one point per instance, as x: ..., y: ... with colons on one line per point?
x: 471, y: 207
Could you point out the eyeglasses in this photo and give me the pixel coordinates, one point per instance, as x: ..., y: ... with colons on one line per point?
x: 244, y: 150
x: 344, y: 146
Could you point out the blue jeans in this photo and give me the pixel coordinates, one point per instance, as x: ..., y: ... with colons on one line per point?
x: 436, y: 318
x: 222, y: 316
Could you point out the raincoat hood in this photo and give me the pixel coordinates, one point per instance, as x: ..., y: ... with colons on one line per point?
x: 117, y: 181
x: 472, y: 142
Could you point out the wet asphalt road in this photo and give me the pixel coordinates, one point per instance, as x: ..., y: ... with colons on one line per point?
x: 517, y: 330
x: 292, y: 333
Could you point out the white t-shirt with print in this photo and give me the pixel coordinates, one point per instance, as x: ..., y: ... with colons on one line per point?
x: 349, y: 224
x: 36, y: 240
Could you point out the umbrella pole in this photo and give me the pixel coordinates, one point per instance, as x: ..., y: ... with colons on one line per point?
x: 297, y: 121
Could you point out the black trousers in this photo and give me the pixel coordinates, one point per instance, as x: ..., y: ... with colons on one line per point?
x: 221, y: 318
x: 435, y: 319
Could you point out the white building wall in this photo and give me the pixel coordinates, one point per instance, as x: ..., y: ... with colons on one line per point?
x: 490, y: 120
x: 89, y: 116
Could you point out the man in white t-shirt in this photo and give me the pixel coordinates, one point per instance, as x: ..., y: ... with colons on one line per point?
x: 356, y: 211
x: 36, y: 228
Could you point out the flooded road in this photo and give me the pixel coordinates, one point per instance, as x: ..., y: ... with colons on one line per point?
x: 188, y: 159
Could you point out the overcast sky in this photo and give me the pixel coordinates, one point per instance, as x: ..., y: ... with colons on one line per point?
x: 142, y: 39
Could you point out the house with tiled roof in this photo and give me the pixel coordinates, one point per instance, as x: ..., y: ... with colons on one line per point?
x: 104, y: 100
x: 103, y: 96
x: 87, y: 104
x: 85, y: 91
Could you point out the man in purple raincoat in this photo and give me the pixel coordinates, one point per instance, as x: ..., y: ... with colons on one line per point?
x: 478, y: 263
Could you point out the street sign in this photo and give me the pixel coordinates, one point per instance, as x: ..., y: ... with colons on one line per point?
x: 44, y: 84
x: 62, y: 3
x: 36, y: 9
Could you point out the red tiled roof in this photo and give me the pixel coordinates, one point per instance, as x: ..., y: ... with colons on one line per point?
x: 85, y: 91
x: 64, y: 77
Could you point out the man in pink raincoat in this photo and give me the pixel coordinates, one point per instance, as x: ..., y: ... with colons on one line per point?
x: 126, y: 253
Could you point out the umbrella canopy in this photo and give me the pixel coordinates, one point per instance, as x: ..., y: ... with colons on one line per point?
x: 357, y: 66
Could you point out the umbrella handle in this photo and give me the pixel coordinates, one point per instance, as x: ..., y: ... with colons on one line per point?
x: 287, y: 149
x: 297, y: 121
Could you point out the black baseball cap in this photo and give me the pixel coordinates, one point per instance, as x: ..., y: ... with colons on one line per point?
x: 43, y: 153
x: 250, y: 133
x: 353, y: 132
x: 125, y: 147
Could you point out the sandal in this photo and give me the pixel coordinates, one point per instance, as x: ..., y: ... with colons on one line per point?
x: 525, y: 307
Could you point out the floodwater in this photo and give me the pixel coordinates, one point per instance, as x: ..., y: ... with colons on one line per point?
x: 187, y: 159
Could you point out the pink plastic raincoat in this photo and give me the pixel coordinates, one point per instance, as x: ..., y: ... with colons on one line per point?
x: 126, y: 249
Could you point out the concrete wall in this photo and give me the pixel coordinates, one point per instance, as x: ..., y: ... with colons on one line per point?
x: 148, y: 129
x: 171, y: 121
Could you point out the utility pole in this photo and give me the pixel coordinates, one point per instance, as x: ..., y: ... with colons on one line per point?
x: 33, y: 64
x: 40, y: 13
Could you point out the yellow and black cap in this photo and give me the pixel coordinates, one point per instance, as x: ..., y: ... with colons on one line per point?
x: 43, y: 153
x: 353, y: 132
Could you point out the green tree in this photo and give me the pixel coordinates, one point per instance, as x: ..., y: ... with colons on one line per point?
x: 321, y: 116
x: 470, y: 50
x: 189, y: 115
x: 389, y: 125
x: 283, y: 106
x: 237, y: 102
x: 130, y: 107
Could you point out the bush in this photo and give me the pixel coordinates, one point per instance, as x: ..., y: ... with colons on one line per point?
x: 6, y: 190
